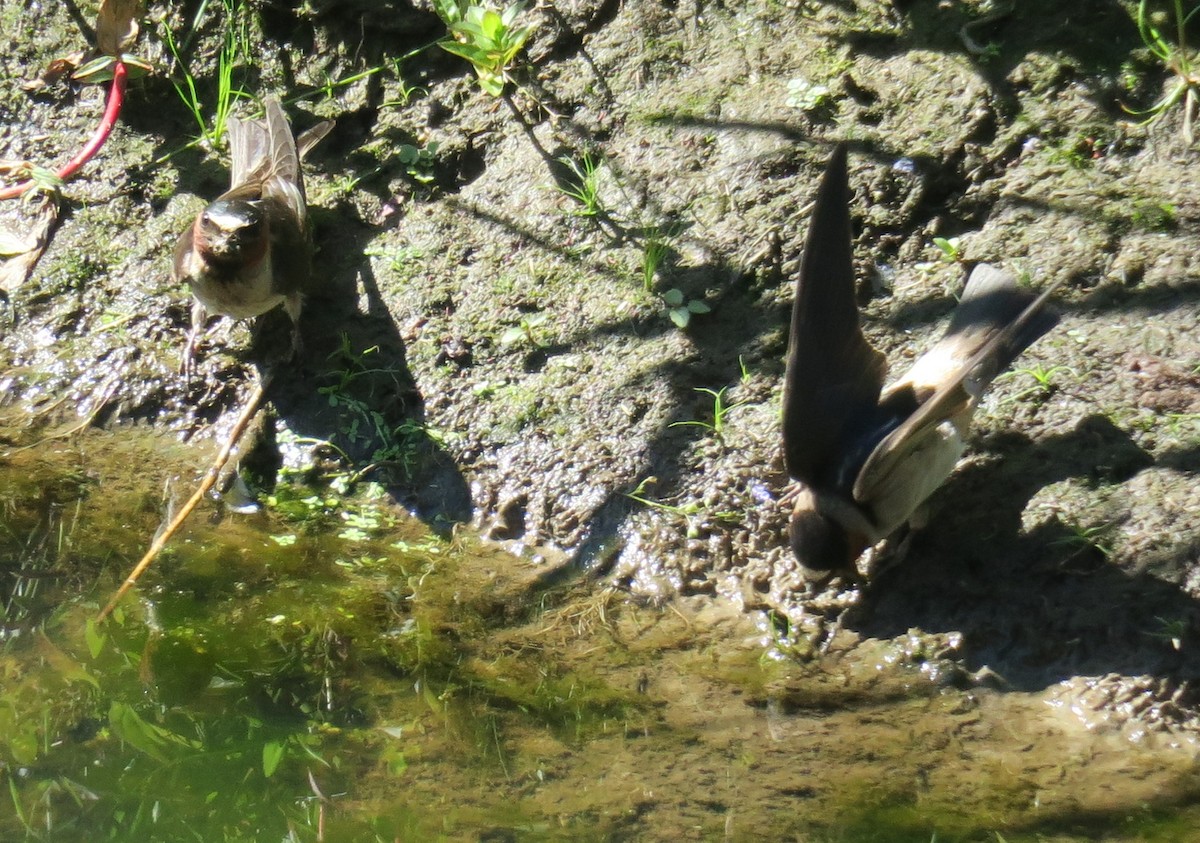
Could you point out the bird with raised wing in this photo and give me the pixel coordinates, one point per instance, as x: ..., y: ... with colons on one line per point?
x: 250, y: 249
x: 865, y: 457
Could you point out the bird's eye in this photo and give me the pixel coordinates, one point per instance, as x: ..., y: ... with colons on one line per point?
x: 205, y: 219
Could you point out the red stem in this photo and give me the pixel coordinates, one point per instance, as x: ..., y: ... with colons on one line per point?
x: 116, y: 96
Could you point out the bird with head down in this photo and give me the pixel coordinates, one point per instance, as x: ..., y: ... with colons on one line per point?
x: 864, y: 458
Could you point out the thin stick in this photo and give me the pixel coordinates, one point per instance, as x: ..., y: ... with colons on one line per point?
x: 210, y: 479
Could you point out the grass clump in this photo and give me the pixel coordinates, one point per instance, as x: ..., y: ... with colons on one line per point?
x: 1182, y: 60
x: 235, y: 51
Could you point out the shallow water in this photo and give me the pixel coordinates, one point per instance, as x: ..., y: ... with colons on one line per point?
x: 327, y: 669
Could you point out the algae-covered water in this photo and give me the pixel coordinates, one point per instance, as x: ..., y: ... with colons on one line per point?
x: 325, y: 668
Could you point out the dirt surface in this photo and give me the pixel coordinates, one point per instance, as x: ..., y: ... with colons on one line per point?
x: 1064, y: 547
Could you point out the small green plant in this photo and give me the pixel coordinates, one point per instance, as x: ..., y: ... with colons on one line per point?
x: 1076, y: 154
x: 406, y: 262
x: 720, y: 414
x: 639, y: 495
x: 1043, y: 378
x: 329, y: 85
x: 693, y: 513
x: 808, y: 96
x: 394, y: 445
x: 418, y: 161
x: 1082, y: 538
x: 746, y: 375
x: 39, y: 182
x: 488, y: 39
x: 1154, y: 216
x: 1180, y: 59
x: 235, y: 49
x: 403, y: 89
x: 655, y: 249
x: 583, y: 185
x: 680, y: 308
x: 1171, y: 630
x: 526, y: 330
x: 344, y: 184
x: 950, y: 249
x: 1177, y: 422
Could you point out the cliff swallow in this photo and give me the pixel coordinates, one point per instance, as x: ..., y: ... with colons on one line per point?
x: 250, y: 249
x: 866, y: 457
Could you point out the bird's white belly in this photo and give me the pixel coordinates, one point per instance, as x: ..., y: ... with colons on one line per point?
x: 916, y: 477
x: 241, y: 299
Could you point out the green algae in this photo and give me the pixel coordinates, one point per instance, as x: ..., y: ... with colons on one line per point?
x: 394, y: 684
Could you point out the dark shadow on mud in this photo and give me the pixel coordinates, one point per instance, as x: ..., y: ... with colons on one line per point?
x: 746, y: 316
x: 351, y: 386
x: 1043, y: 606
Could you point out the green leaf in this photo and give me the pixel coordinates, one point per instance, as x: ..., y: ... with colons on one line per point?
x: 492, y: 26
x: 510, y: 14
x: 99, y: 69
x: 94, y: 637
x: 513, y: 334
x: 490, y: 82
x: 461, y: 50
x: 681, y: 316
x: 272, y: 754
x: 145, y: 737
x: 697, y: 306
x: 136, y: 67
x: 948, y: 247
x: 673, y: 297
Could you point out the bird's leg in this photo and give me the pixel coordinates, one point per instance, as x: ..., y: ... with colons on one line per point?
x: 187, y: 365
x: 292, y: 305
x: 892, y: 551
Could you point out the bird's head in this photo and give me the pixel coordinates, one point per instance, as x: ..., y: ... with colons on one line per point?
x: 822, y: 546
x: 231, y: 231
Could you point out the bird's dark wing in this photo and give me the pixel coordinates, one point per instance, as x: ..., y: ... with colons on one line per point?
x: 992, y: 325
x: 248, y: 147
x: 285, y: 160
x: 834, y: 376
x: 282, y: 179
x: 312, y: 136
x: 266, y: 161
x: 183, y: 247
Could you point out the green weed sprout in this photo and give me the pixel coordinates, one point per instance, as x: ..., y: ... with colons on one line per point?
x: 418, y: 161
x: 680, y: 308
x: 526, y: 329
x: 950, y: 248
x: 1171, y: 630
x: 484, y: 37
x: 395, y: 446
x: 720, y: 414
x: 693, y: 512
x: 655, y: 249
x: 234, y: 48
x: 1083, y: 538
x: 1180, y: 60
x: 584, y: 187
x: 1044, y: 380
